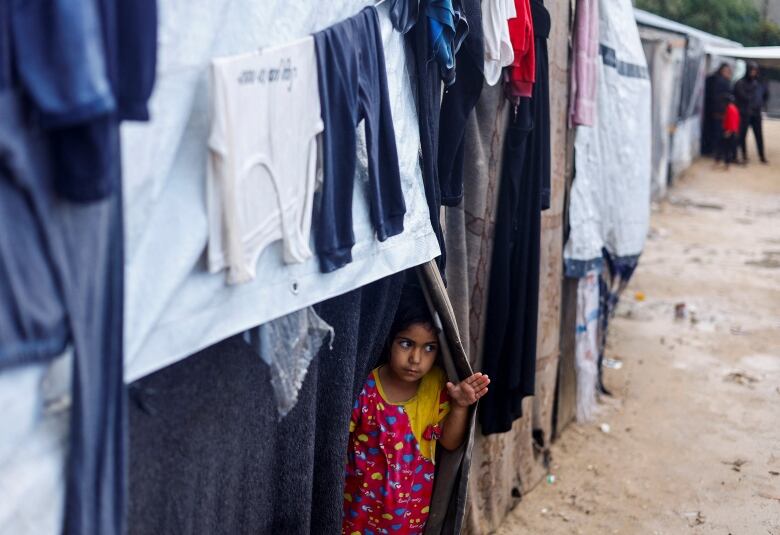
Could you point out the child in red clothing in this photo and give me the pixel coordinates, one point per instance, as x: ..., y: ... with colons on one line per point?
x: 730, y: 132
x: 405, y: 408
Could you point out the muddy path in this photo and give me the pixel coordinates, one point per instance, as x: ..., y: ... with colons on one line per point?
x: 691, y: 443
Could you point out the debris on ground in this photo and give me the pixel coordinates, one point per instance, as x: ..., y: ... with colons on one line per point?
x: 680, y: 311
x: 612, y: 364
x: 770, y: 260
x: 741, y: 378
x: 605, y: 428
x: 736, y: 464
x: 738, y: 330
x: 681, y: 201
x: 695, y: 518
x: 639, y: 296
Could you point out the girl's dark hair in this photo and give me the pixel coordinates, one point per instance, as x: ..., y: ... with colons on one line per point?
x: 412, y: 309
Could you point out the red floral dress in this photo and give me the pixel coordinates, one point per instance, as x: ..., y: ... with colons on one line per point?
x: 390, y: 466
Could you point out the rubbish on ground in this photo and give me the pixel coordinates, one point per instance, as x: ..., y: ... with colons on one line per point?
x: 681, y: 201
x: 605, y: 428
x: 741, y: 378
x: 680, y: 311
x: 550, y: 479
x: 736, y: 464
x: 769, y: 496
x: 562, y: 517
x: 545, y: 510
x: 774, y: 473
x: 639, y: 296
x: 771, y: 260
x: 695, y: 518
x: 613, y: 364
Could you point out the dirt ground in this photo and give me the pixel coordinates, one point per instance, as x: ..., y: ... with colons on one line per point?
x: 693, y: 438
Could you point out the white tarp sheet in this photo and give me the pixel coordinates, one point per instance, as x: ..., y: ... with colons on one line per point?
x: 610, y: 196
x: 173, y: 307
x: 768, y: 56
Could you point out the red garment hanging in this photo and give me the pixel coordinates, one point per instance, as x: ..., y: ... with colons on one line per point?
x: 522, y: 72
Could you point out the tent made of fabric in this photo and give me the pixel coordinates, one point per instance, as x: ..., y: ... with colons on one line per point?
x: 645, y: 18
x: 766, y: 56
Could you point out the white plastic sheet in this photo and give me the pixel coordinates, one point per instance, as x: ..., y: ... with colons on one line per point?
x: 173, y: 307
x: 610, y: 196
x: 586, y: 349
x: 287, y: 345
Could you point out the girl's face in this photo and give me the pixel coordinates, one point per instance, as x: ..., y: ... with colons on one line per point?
x: 413, y: 352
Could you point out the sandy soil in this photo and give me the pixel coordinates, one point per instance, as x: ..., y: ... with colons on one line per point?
x: 693, y: 443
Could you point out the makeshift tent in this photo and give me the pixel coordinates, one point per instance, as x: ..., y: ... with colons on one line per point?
x: 768, y: 56
x: 175, y: 308
x: 698, y: 62
x: 609, y: 210
x: 214, y: 410
x: 611, y: 190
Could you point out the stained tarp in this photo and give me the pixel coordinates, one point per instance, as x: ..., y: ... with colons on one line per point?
x: 610, y: 195
x: 174, y: 306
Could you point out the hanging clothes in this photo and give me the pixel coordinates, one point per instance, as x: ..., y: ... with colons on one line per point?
x: 521, y: 74
x: 457, y: 103
x: 176, y: 308
x: 86, y: 66
x: 81, y: 263
x: 353, y: 87
x: 509, y: 350
x: 426, y: 82
x: 404, y: 14
x: 584, y: 69
x: 262, y: 156
x: 498, y: 43
x: 433, y: 41
x: 447, y: 28
x: 68, y: 73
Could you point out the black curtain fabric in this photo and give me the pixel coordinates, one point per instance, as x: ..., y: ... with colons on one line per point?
x: 457, y: 103
x: 509, y: 354
x: 208, y: 454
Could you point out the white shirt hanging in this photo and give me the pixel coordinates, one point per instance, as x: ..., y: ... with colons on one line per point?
x: 498, y: 46
x: 263, y: 156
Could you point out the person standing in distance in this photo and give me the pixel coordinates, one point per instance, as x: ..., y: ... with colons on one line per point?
x: 751, y: 97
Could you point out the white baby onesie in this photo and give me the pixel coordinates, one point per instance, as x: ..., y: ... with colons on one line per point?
x: 498, y: 46
x: 263, y: 156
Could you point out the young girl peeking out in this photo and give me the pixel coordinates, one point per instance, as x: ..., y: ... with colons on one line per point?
x: 405, y: 408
